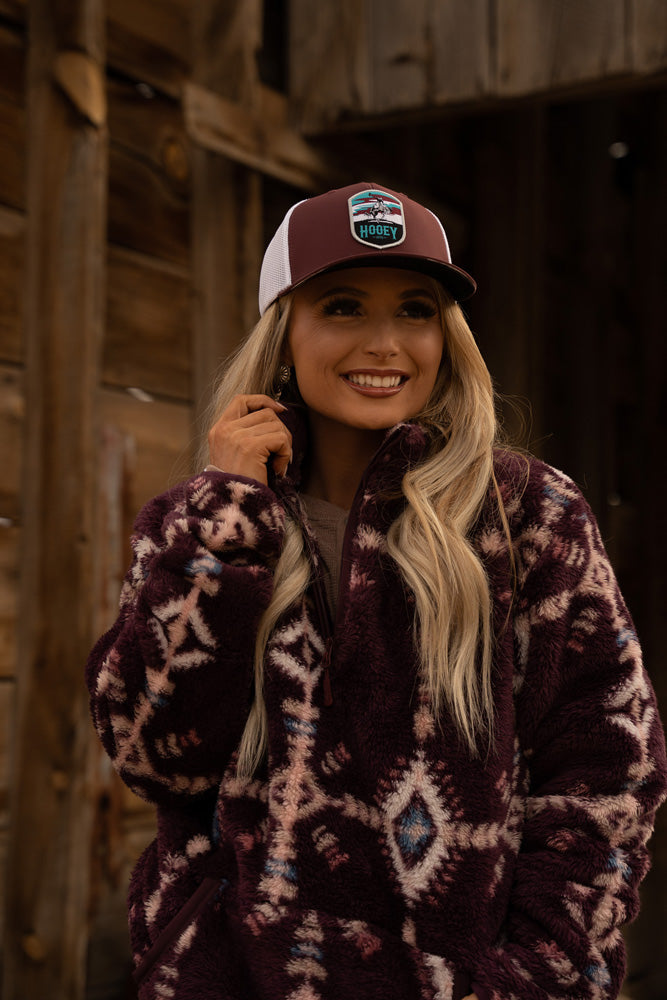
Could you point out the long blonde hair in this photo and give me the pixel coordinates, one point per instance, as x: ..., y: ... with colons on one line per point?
x: 429, y: 540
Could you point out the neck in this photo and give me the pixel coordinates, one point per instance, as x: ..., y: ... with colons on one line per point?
x: 339, y: 458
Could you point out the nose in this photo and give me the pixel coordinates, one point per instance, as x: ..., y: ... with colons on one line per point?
x: 382, y: 338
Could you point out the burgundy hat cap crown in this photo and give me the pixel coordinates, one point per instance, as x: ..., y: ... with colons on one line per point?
x: 361, y: 224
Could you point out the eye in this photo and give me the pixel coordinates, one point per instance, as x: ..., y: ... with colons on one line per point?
x: 341, y: 305
x: 418, y: 309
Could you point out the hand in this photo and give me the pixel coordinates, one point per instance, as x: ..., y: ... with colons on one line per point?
x: 248, y: 436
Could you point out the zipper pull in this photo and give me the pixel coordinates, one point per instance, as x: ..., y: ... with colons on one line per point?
x: 326, y: 680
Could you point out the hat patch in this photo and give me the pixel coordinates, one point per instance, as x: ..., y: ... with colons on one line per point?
x: 376, y: 218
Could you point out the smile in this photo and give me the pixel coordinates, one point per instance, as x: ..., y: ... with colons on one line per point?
x: 374, y: 381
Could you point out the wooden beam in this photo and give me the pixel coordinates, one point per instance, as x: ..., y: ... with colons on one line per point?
x: 226, y: 195
x: 49, y: 844
x: 259, y: 137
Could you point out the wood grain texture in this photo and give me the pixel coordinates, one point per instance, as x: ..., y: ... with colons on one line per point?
x: 648, y: 35
x: 558, y: 42
x: 330, y: 68
x: 148, y: 167
x: 12, y: 155
x: 149, y: 41
x: 148, y: 337
x: 47, y: 886
x: 10, y: 541
x: 12, y: 256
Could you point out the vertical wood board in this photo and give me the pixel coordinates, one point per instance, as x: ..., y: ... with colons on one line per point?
x: 227, y: 37
x: 648, y: 35
x: 12, y: 239
x: 12, y: 154
x: 401, y: 53
x: 47, y: 885
x: 12, y: 413
x: 149, y: 41
x: 558, y: 42
x: 330, y: 71
x: 10, y: 547
x: 7, y: 696
x: 429, y: 53
x: 463, y: 51
x: 11, y: 450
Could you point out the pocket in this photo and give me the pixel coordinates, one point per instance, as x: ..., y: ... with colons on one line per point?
x: 185, y: 916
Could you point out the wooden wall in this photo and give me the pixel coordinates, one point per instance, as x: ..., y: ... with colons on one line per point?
x: 382, y: 57
x: 133, y: 210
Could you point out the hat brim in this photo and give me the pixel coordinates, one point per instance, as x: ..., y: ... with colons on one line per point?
x: 455, y: 280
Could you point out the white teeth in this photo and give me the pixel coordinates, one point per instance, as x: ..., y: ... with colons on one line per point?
x: 376, y: 381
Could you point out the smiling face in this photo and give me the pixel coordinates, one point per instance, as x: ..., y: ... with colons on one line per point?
x: 366, y: 345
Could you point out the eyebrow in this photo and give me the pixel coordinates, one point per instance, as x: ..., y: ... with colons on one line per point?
x: 409, y: 293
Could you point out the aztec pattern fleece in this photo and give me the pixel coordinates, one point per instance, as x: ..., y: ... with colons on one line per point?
x: 374, y: 857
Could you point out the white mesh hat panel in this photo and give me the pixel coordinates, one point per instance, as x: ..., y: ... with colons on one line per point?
x: 276, y: 274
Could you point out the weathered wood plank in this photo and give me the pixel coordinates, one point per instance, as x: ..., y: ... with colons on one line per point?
x: 47, y: 884
x: 401, y: 54
x: 12, y: 414
x: 7, y: 698
x: 158, y: 448
x: 648, y: 35
x: 149, y: 167
x: 226, y: 40
x: 12, y: 155
x: 148, y: 334
x: 330, y: 69
x: 509, y: 181
x: 10, y: 538
x: 11, y: 442
x: 424, y: 53
x: 558, y: 42
x: 462, y: 52
x: 143, y: 215
x: 12, y: 237
x: 226, y: 196
x: 260, y: 139
x: 149, y: 40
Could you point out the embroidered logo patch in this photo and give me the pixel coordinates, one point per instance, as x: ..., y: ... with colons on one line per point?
x: 376, y: 218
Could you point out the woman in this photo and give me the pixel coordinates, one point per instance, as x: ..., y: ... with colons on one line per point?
x: 375, y: 671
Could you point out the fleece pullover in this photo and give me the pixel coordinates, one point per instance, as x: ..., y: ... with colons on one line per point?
x: 373, y: 856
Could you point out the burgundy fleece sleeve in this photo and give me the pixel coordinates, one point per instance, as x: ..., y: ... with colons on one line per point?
x: 589, y: 728
x: 171, y: 682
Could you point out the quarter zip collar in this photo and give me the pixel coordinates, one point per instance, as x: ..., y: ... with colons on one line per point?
x: 380, y: 487
x: 403, y: 446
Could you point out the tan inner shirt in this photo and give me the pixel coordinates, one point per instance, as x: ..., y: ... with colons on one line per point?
x: 328, y: 523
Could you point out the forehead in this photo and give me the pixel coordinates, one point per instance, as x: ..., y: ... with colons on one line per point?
x: 386, y: 281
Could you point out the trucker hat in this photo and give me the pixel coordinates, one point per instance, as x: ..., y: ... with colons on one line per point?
x: 361, y: 224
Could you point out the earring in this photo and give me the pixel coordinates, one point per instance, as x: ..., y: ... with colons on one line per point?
x: 284, y: 375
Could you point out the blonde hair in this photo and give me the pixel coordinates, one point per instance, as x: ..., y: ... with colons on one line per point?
x: 429, y: 540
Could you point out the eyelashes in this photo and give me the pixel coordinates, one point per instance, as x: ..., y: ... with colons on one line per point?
x: 343, y: 305
x: 340, y: 305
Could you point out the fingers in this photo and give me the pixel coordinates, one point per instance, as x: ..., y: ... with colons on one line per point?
x: 243, y: 404
x: 248, y: 436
